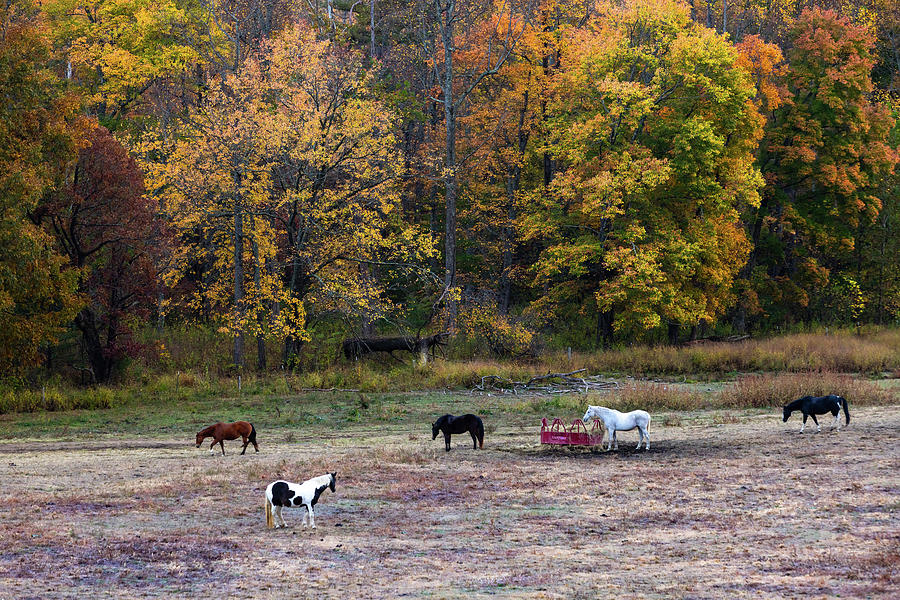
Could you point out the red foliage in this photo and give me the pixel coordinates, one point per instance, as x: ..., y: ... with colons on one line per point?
x: 110, y: 230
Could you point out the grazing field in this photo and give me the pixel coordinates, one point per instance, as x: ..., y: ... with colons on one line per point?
x: 726, y: 504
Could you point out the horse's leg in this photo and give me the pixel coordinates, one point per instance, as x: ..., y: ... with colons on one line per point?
x: 802, y: 427
x: 837, y: 419
x: 447, y: 441
x: 246, y: 443
x: 279, y: 520
x: 212, y: 446
x: 615, y: 440
x: 640, y: 437
x: 474, y: 439
x: 312, y: 517
x: 222, y: 443
x: 816, y: 421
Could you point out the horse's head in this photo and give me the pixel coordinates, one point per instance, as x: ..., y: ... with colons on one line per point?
x: 331, y: 485
x: 434, y: 430
x: 199, y: 439
x: 591, y: 412
x: 786, y: 413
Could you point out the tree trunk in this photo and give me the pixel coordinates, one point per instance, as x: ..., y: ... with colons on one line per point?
x: 674, y: 328
x: 547, y: 162
x: 160, y: 315
x: 261, y: 319
x: 604, y: 329
x: 724, y: 16
x: 101, y: 366
x: 238, y: 351
x: 506, y: 233
x: 447, y: 17
x: 372, y: 28
x: 513, y: 181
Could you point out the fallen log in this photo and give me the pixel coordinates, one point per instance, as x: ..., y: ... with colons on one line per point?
x: 356, y: 348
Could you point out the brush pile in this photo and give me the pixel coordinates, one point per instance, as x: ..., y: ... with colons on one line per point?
x: 551, y: 383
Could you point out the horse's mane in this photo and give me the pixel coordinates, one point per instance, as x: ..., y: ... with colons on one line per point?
x: 317, y: 481
x: 795, y: 404
x: 208, y: 430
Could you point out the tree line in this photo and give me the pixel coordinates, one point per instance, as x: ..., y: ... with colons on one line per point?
x: 595, y: 171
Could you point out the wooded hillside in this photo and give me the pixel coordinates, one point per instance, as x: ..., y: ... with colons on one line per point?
x: 512, y: 171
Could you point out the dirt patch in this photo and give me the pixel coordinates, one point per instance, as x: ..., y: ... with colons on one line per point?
x: 66, y: 446
x: 742, y: 507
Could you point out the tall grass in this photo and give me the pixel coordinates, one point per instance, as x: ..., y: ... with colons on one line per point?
x: 657, y: 396
x: 763, y: 391
x: 55, y: 399
x: 190, y: 364
x: 203, y: 351
x: 840, y: 352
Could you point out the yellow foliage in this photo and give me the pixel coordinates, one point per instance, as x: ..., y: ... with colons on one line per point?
x: 295, y: 154
x: 503, y: 335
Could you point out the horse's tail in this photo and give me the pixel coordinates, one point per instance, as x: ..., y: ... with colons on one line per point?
x: 269, y: 520
x: 846, y: 409
x: 479, y: 431
x: 252, y: 436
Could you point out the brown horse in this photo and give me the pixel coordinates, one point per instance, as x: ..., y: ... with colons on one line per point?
x: 229, y: 431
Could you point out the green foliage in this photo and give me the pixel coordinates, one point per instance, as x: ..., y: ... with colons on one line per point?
x: 116, y: 48
x: 39, y: 129
x: 651, y: 120
x: 842, y: 301
x: 825, y: 154
x: 14, y: 399
x: 607, y: 178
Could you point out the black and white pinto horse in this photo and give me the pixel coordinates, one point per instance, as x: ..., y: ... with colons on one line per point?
x: 614, y: 421
x: 811, y: 406
x: 449, y: 424
x: 284, y: 494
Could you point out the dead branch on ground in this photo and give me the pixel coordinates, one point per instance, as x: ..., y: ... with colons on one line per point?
x: 551, y: 383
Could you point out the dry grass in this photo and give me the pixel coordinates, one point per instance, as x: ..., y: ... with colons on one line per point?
x: 839, y: 352
x: 655, y: 396
x: 763, y: 391
x: 726, y: 505
x: 182, y: 381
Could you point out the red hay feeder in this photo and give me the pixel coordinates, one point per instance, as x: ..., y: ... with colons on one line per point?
x: 577, y: 435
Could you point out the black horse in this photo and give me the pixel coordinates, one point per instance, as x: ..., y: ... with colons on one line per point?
x: 818, y: 405
x: 450, y: 424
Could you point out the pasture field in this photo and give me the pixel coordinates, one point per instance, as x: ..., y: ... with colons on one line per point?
x: 726, y: 504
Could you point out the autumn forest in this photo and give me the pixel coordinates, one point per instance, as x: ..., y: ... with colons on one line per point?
x: 519, y: 174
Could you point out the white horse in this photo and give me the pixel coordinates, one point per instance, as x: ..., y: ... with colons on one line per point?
x: 615, y: 421
x: 284, y: 494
